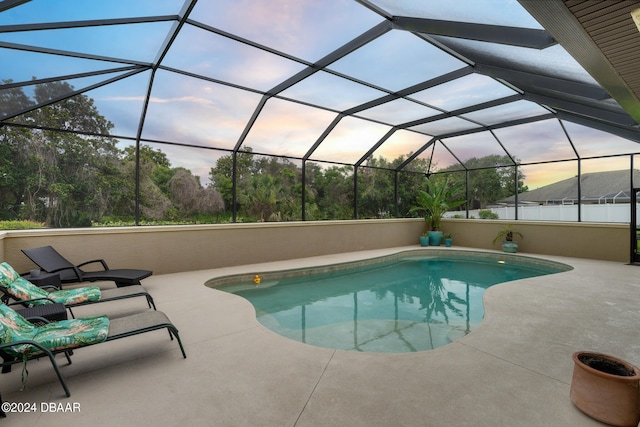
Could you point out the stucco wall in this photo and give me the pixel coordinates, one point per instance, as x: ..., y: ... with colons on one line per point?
x: 608, y: 241
x: 184, y: 248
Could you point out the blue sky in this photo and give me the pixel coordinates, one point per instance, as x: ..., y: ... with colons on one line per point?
x: 204, y: 113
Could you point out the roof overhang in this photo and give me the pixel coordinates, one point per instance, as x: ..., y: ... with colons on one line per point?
x: 602, y: 37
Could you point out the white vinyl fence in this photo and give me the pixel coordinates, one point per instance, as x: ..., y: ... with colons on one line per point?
x: 619, y: 212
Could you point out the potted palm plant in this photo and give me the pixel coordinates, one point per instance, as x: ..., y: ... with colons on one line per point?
x: 448, y: 239
x: 506, y: 235
x: 437, y: 200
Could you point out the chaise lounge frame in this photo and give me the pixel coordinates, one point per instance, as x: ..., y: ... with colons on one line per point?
x: 121, y: 327
x: 51, y: 261
x: 106, y: 295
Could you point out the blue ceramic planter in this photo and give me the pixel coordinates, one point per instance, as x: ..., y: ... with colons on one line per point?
x: 511, y: 247
x: 435, y: 238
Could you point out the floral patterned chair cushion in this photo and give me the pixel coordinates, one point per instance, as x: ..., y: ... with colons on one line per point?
x: 56, y: 336
x: 21, y: 289
x: 7, y: 274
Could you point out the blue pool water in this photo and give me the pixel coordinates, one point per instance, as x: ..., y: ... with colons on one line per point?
x: 401, y: 304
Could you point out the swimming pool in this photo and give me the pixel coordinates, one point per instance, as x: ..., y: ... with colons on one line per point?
x: 407, y: 302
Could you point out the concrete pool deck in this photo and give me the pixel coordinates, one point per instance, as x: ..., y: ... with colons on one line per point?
x: 514, y: 370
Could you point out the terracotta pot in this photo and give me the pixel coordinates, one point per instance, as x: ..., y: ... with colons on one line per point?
x: 606, y: 388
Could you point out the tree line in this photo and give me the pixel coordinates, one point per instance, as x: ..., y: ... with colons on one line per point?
x: 60, y: 166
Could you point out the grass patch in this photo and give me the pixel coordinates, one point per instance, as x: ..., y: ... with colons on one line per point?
x: 20, y: 225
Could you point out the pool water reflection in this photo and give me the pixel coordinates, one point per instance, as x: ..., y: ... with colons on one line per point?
x: 401, y: 305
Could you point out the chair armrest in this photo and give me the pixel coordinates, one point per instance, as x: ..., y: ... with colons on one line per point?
x: 101, y: 261
x: 45, y: 352
x: 39, y: 346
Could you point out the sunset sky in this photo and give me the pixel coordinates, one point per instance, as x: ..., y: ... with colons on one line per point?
x: 213, y: 111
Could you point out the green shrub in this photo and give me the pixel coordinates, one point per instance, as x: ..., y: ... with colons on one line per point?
x: 488, y: 214
x: 20, y: 225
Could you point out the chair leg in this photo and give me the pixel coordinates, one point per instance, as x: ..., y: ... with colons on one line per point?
x: 45, y: 352
x: 6, y: 361
x: 150, y: 302
x: 60, y: 378
x: 68, y: 354
x: 174, y: 332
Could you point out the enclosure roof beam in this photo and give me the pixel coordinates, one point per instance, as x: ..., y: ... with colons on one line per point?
x: 515, y: 36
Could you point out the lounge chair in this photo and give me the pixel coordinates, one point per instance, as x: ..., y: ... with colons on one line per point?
x: 49, y: 260
x: 18, y: 288
x: 25, y: 341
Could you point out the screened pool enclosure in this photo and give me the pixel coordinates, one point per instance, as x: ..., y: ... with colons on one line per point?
x: 130, y: 112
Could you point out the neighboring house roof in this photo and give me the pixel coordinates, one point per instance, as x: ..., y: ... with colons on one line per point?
x: 597, y: 187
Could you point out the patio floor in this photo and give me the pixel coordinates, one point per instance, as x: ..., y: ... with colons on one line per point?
x: 514, y: 370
